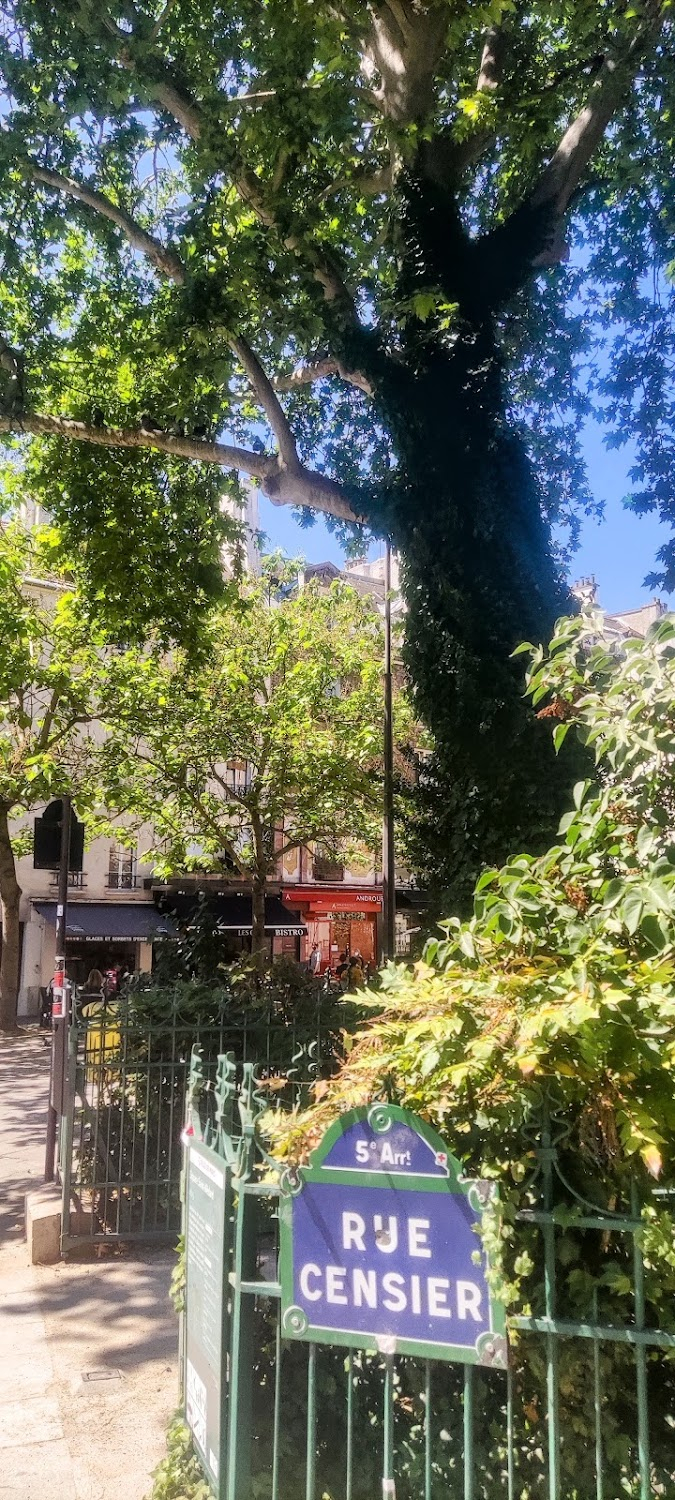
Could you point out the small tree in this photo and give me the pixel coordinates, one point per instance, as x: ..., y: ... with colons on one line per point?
x: 272, y: 742
x: 47, y: 670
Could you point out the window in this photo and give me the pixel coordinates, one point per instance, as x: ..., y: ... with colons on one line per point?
x: 327, y: 866
x: 121, y: 868
x: 402, y: 935
x: 237, y: 775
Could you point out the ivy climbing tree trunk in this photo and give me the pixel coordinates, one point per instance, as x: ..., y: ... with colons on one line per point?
x: 474, y: 589
x: 10, y: 896
x: 479, y: 575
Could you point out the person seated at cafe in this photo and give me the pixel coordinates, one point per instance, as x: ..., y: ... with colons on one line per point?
x: 94, y: 983
x: 355, y: 971
x: 103, y: 1039
x: 343, y: 965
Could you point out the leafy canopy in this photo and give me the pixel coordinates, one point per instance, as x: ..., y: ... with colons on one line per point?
x: 181, y: 187
x: 49, y: 671
x: 272, y: 740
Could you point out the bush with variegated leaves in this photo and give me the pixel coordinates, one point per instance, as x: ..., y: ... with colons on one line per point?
x: 562, y: 983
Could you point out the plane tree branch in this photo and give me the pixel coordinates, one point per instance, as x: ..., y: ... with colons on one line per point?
x: 165, y: 260
x: 443, y: 159
x: 403, y: 50
x: 561, y: 178
x: 492, y: 60
x: 321, y: 368
x: 533, y: 235
x: 283, y: 486
x: 168, y: 264
x: 158, y: 84
x: 269, y: 401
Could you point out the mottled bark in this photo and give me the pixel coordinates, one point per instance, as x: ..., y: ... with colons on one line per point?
x: 260, y: 875
x: 402, y: 55
x: 258, y: 944
x: 283, y: 486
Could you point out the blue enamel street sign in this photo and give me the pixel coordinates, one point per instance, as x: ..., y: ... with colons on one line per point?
x: 380, y: 1246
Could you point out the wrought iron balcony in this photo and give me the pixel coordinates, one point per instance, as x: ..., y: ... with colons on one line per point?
x: 76, y: 879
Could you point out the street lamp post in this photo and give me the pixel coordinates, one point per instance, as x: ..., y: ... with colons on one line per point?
x: 60, y: 997
x: 388, y: 850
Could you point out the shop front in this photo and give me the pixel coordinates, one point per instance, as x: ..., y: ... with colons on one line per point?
x: 341, y: 920
x: 228, y: 916
x: 105, y: 935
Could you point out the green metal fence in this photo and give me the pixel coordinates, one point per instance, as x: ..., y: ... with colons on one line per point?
x: 126, y: 1082
x: 586, y: 1410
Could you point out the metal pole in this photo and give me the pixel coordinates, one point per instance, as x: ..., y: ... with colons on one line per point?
x: 388, y: 851
x: 388, y: 1481
x: 60, y: 1001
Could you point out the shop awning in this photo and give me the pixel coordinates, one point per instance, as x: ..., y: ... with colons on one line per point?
x: 409, y: 899
x: 111, y: 921
x: 233, y: 913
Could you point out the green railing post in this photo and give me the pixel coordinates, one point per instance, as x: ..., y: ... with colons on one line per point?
x: 226, y: 1327
x: 469, y: 1461
x: 640, y: 1356
x: 388, y: 1481
x: 597, y: 1406
x: 310, y: 1476
x: 510, y: 1436
x: 241, y: 1350
x: 350, y: 1426
x: 548, y: 1233
x: 67, y: 1135
x: 276, y: 1422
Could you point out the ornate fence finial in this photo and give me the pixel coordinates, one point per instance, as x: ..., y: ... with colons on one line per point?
x: 304, y: 1072
x: 225, y: 1090
x: 251, y: 1104
x: 251, y: 1101
x: 195, y: 1090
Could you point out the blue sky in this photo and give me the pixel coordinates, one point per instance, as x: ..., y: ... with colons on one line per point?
x: 619, y: 551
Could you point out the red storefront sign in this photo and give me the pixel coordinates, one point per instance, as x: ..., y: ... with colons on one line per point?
x: 324, y: 901
x: 340, y: 919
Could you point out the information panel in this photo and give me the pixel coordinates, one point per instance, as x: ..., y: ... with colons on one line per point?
x: 381, y: 1246
x: 206, y: 1303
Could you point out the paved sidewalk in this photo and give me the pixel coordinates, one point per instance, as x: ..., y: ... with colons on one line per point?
x: 88, y: 1351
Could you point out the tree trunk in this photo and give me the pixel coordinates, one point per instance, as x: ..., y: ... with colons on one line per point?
x: 479, y: 576
x: 10, y: 896
x: 258, y: 939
